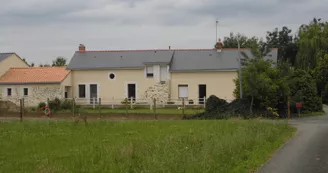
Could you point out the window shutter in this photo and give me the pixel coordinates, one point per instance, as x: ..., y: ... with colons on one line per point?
x: 149, y: 69
x: 183, y: 91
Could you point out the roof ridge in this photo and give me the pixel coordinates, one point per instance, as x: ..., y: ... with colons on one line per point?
x: 38, y: 67
x: 7, y: 53
x: 142, y: 50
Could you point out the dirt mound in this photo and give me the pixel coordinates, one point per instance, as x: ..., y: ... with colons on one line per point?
x: 8, y: 106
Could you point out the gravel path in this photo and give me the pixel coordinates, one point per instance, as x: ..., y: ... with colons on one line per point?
x: 307, y: 152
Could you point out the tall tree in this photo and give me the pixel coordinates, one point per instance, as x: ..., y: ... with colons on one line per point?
x: 285, y: 42
x: 313, y: 43
x: 321, y: 74
x: 59, y: 61
x: 244, y: 41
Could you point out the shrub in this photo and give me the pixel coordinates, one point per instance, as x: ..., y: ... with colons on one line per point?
x: 325, y: 95
x: 125, y: 101
x: 41, y: 104
x: 54, y: 104
x: 67, y: 104
x: 213, y: 103
x: 303, y: 89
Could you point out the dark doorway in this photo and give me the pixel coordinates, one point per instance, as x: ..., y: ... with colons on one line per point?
x: 201, y: 93
x: 132, y: 91
x: 93, y: 93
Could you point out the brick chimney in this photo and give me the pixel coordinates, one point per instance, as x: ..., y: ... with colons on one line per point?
x: 81, y: 48
x: 219, y: 44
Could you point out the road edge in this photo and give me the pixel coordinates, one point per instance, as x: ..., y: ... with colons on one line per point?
x: 279, y: 148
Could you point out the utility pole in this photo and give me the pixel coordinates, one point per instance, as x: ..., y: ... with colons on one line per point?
x: 240, y: 73
x: 216, y: 38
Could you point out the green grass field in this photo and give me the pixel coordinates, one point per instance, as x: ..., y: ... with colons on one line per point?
x: 139, y: 146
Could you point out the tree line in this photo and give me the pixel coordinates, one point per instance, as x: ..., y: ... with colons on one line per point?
x: 59, y: 61
x: 299, y: 76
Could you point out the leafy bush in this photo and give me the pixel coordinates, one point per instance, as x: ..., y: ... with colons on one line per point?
x: 54, y: 104
x: 126, y: 101
x: 67, y: 104
x: 325, y: 95
x: 303, y: 89
x: 213, y: 103
x: 41, y: 104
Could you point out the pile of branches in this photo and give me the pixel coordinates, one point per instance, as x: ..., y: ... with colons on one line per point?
x: 217, y: 108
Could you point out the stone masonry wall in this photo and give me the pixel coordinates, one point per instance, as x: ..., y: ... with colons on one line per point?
x: 158, y: 91
x: 36, y: 94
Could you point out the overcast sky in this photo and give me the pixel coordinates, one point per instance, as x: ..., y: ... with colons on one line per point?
x: 41, y: 30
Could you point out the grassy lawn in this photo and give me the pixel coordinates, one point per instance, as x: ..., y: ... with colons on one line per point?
x: 170, y: 111
x: 139, y: 146
x: 311, y: 114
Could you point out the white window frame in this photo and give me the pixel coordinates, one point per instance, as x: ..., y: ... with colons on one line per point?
x: 152, y: 71
x: 179, y: 91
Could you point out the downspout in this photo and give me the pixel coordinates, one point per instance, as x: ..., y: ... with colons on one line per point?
x: 169, y: 81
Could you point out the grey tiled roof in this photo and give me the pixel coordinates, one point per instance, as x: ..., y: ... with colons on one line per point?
x: 179, y: 60
x: 118, y: 59
x: 3, y: 56
x: 210, y: 60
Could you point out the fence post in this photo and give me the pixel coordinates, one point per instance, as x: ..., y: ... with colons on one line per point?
x: 48, y: 100
x: 126, y: 106
x: 73, y: 107
x: 204, y: 102
x: 21, y: 109
x: 131, y: 99
x: 183, y: 107
x: 288, y: 105
x: 94, y: 103
x: 99, y: 105
x: 155, y: 114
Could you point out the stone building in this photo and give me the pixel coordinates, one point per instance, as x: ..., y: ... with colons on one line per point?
x: 35, y: 84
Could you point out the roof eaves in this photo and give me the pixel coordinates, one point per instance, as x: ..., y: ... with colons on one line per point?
x: 104, y: 68
x: 22, y: 83
x: 156, y: 62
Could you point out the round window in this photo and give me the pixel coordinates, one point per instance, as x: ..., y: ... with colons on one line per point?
x: 111, y: 76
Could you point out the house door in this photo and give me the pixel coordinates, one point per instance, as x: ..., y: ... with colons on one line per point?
x: 201, y: 93
x: 132, y: 91
x: 93, y: 93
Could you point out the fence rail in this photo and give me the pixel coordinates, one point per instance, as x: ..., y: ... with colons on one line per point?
x: 132, y: 102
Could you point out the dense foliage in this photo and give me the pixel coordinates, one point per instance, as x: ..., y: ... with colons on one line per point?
x: 56, y: 104
x: 300, y: 75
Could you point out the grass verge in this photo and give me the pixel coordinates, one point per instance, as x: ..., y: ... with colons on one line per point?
x: 139, y: 146
x: 312, y: 114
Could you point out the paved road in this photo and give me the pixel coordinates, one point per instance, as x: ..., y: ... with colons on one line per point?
x: 307, y: 152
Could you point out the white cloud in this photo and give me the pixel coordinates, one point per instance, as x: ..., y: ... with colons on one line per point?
x: 40, y: 30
